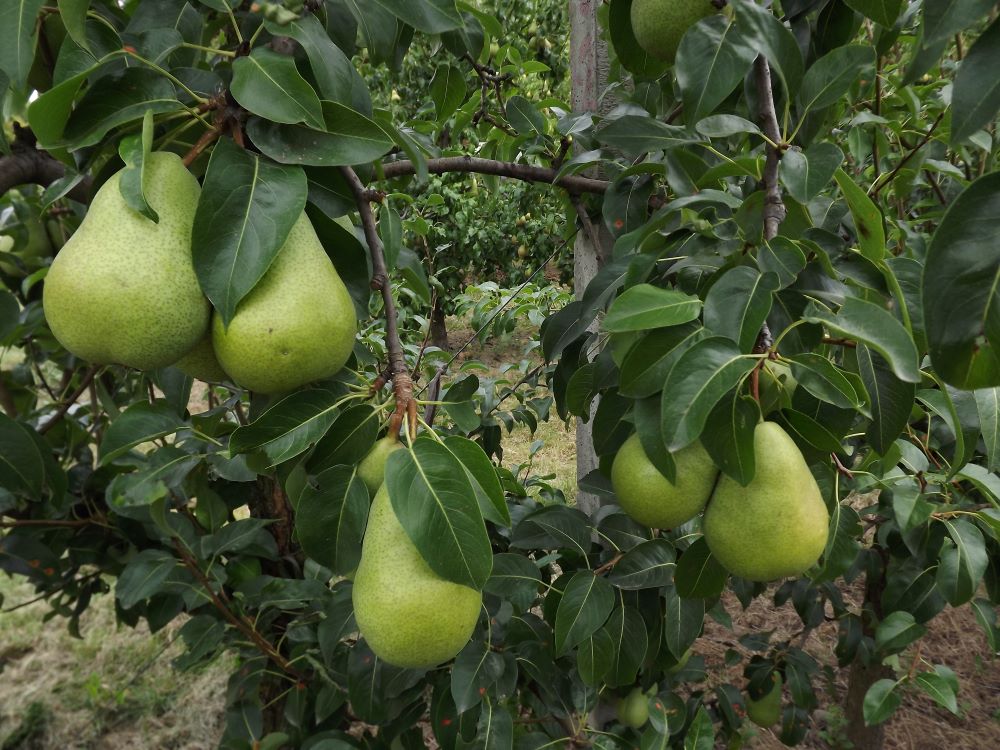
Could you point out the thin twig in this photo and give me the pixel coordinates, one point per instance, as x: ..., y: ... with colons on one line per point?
x: 65, y: 406
x: 207, y: 139
x: 890, y: 176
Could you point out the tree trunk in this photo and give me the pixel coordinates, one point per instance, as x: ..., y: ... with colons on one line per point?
x: 439, y: 327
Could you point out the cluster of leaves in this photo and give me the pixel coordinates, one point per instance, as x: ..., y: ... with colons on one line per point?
x: 247, y: 514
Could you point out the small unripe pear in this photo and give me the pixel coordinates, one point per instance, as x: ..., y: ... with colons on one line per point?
x: 659, y: 25
x: 201, y: 363
x: 371, y: 470
x: 766, y: 712
x: 633, y: 709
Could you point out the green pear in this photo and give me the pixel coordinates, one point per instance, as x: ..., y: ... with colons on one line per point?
x: 201, y: 363
x: 296, y: 326
x: 649, y: 497
x: 371, y: 470
x: 633, y: 709
x: 658, y: 25
x: 777, y: 525
x: 410, y: 616
x: 777, y: 386
x: 123, y: 289
x: 766, y: 711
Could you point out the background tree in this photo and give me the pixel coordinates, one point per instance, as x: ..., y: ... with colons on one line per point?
x: 808, y: 186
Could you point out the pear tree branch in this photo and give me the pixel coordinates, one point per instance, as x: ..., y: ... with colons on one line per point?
x: 27, y: 165
x: 402, y: 383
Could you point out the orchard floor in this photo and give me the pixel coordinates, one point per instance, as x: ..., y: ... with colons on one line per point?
x: 115, y: 688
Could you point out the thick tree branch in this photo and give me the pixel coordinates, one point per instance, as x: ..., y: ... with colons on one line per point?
x: 524, y: 172
x: 402, y: 383
x: 26, y: 165
x: 774, y: 206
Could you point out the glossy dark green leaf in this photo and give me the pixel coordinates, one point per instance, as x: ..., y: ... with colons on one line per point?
x: 806, y: 173
x: 946, y: 18
x: 867, y: 217
x: 636, y: 135
x: 524, y: 116
x: 646, y: 366
x: 330, y: 519
x: 436, y: 506
x: 699, y: 575
x: 18, y: 19
x: 116, y: 100
x: 646, y: 566
x: 247, y: 208
x: 556, y: 527
x: 829, y: 78
x: 49, y: 113
x: 268, y: 84
x: 963, y: 562
x: 783, y: 258
x: 645, y: 306
x: 288, y: 427
x: 649, y: 428
x: 246, y: 535
x: 476, y: 668
x: 348, y: 138
x: 495, y: 729
x: 349, y: 438
x: 143, y: 576
x: 134, y: 151
x: 701, y: 734
x: 429, y: 16
x: 723, y: 126
x: 881, y: 701
x: 483, y: 478
x: 873, y: 325
x: 139, y: 423
x: 891, y: 399
x: 728, y: 436
x: 897, y: 631
x: 884, y: 12
x: 988, y: 405
x: 74, y: 17
x: 942, y: 686
x: 765, y: 33
x: 459, y: 404
x: 22, y: 468
x: 738, y: 304
x: 841, y: 545
x: 594, y: 657
x: 975, y: 97
x: 712, y: 60
x: 165, y: 469
x: 910, y: 507
x: 627, y: 631
x: 632, y: 57
x: 824, y: 380
x: 702, y: 376
x: 515, y: 578
x: 448, y: 90
x: 809, y: 430
x: 584, y: 607
x: 682, y: 621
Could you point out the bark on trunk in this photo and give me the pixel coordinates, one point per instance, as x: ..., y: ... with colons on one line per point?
x: 862, y: 677
x: 439, y: 327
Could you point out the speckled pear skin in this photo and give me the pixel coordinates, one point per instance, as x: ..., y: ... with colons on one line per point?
x: 371, y: 470
x: 201, y: 363
x: 123, y: 289
x: 408, y: 614
x: 775, y: 527
x: 296, y: 326
x: 649, y: 497
x: 659, y: 25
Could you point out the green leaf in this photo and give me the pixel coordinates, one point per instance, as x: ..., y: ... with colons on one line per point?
x: 448, y: 90
x: 524, y: 116
x: 268, y: 84
x: 738, y: 304
x: 22, y: 468
x: 824, y: 380
x: 637, y: 135
x: 348, y: 138
x: 945, y: 18
x: 891, y: 399
x: 764, y: 32
x: 288, y: 427
x: 74, y: 16
x: 988, y: 406
x: 429, y: 16
x: 961, y: 293
x: 246, y: 535
x: 724, y: 126
x: 867, y: 218
x: 712, y: 60
x: 830, y: 77
x: 114, y: 101
x: 583, y: 609
x: 699, y: 380
x: 348, y: 440
x: 141, y: 422
x: 476, y: 668
x: 909, y: 507
x: 884, y: 12
x: 134, y: 151
x: 699, y: 575
x: 728, y: 436
x: 963, y: 563
x: 483, y: 478
x: 648, y: 565
x: 49, y: 113
x: 247, y: 208
x: 17, y: 38
x: 975, y: 97
x: 897, y: 631
x: 942, y: 686
x: 143, y: 576
x: 783, y: 258
x: 806, y: 173
x: 632, y: 57
x: 594, y: 657
x: 435, y: 504
x: 647, y: 364
x: 514, y: 578
x: 495, y: 729
x: 629, y: 639
x: 682, y: 621
x: 701, y: 734
x: 645, y: 306
x: 881, y: 701
x: 873, y: 325
x: 330, y: 519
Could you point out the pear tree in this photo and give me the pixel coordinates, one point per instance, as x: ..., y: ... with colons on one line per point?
x: 217, y: 220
